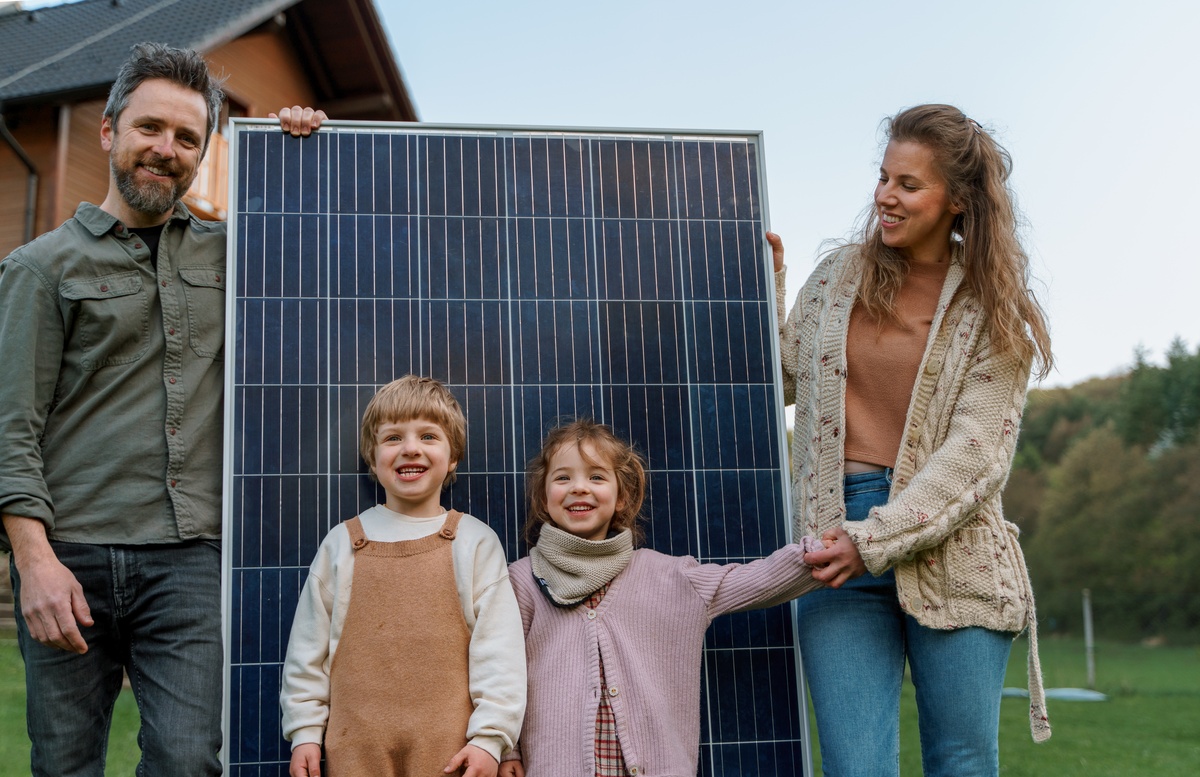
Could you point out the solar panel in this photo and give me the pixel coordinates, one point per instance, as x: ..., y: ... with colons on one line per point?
x: 542, y: 275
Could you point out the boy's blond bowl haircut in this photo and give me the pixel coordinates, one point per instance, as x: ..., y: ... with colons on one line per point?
x: 408, y: 398
x: 627, y: 465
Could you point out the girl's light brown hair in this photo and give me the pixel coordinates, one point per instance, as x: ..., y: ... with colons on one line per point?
x: 627, y: 465
x: 409, y: 398
x: 976, y: 169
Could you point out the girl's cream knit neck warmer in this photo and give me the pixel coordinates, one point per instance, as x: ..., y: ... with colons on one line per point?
x: 569, y: 569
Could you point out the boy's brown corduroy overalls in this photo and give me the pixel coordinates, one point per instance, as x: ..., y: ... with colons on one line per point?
x: 399, y: 696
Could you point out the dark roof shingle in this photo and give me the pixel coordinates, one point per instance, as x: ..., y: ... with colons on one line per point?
x: 78, y: 47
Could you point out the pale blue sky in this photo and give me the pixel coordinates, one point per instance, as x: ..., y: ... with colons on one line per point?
x: 1095, y: 100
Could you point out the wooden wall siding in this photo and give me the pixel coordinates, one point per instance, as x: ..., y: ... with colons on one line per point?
x: 264, y: 72
x: 209, y: 196
x: 34, y: 129
x: 86, y: 178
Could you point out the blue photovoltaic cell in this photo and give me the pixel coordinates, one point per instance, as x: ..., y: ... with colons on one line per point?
x: 542, y: 276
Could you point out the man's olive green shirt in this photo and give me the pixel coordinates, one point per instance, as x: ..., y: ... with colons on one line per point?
x: 112, y: 380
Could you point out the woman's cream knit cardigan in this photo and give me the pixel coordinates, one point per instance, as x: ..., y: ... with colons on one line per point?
x: 956, y: 559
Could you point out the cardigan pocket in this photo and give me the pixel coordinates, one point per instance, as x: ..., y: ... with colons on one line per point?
x: 971, y: 559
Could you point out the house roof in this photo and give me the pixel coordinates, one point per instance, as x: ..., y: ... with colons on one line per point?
x: 74, y: 51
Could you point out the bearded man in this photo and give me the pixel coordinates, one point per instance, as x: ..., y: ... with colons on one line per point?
x: 112, y: 331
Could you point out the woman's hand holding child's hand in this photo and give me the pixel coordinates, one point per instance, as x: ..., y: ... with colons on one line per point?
x: 475, y: 762
x: 838, y: 562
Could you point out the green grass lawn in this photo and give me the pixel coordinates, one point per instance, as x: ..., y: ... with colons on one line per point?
x: 1149, y: 726
x: 14, y: 742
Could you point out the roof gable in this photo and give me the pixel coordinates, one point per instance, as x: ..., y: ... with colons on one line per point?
x: 77, y: 48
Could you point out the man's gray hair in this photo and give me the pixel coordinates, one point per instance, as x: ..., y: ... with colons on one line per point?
x: 179, y: 66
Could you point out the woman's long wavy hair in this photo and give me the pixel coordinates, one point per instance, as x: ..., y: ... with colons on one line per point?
x: 976, y: 169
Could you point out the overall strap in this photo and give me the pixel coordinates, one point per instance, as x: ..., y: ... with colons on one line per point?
x: 450, y: 527
x: 357, y: 538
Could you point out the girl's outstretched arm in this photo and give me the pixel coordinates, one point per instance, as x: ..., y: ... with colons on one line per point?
x: 765, y: 582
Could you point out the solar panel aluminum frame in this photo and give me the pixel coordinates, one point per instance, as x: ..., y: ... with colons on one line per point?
x: 238, y: 158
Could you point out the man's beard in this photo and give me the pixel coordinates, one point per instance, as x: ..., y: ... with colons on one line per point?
x: 152, y: 198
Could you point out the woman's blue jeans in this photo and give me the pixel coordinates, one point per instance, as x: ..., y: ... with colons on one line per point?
x: 854, y: 642
x: 157, y: 612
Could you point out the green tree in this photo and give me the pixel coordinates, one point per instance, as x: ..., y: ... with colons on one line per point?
x: 1088, y: 528
x: 1160, y: 406
x: 1170, y: 555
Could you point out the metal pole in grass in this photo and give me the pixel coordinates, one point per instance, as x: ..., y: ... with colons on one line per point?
x: 1088, y: 641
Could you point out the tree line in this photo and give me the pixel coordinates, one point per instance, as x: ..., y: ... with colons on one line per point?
x: 1106, y: 490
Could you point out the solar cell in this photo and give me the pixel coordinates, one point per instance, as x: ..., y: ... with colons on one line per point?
x: 543, y: 275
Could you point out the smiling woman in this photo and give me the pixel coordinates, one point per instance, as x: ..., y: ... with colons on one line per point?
x: 915, y: 211
x: 907, y: 355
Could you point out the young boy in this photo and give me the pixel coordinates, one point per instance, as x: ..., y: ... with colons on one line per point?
x: 407, y: 653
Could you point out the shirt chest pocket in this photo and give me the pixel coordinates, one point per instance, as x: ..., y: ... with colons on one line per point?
x: 204, y: 288
x: 111, y: 318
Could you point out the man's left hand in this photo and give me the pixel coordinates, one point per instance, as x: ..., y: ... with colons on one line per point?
x: 299, y: 121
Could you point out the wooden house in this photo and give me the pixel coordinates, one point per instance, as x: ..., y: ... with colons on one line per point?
x: 57, y: 64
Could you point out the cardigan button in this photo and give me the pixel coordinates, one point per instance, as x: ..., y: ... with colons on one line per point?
x: 933, y: 366
x: 591, y: 615
x: 612, y: 690
x: 916, y: 603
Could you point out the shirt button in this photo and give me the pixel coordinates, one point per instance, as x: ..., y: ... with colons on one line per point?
x: 612, y: 690
x: 591, y: 615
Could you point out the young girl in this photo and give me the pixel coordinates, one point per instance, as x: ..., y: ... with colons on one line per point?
x: 907, y: 355
x: 613, y: 635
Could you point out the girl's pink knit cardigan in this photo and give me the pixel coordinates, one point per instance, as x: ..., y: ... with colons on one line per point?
x: 650, y: 629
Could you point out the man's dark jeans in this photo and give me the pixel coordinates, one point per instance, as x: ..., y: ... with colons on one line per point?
x: 157, y: 611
